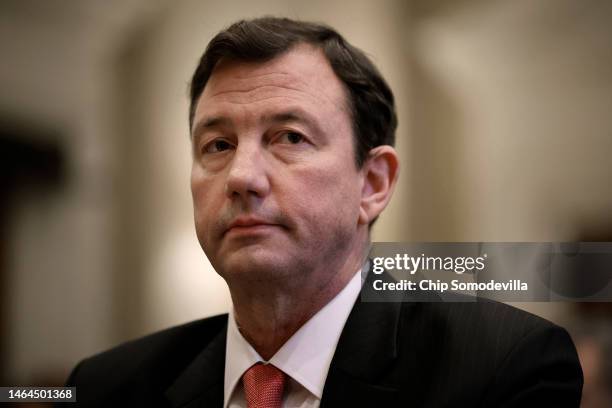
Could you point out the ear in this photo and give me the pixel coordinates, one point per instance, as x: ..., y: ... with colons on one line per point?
x: 380, y: 172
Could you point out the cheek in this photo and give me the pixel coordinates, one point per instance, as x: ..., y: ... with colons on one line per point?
x: 205, y: 202
x: 328, y: 196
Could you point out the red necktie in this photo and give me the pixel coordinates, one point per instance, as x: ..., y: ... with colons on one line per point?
x: 263, y: 386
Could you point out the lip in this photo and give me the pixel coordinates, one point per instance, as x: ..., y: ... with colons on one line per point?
x: 248, y: 225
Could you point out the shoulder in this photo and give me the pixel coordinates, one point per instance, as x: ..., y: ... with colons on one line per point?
x: 156, y: 348
x: 484, y: 318
x: 489, y: 328
x: 154, y: 359
x: 503, y: 353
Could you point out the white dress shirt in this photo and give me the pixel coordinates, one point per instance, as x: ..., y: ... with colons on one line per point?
x: 305, y: 357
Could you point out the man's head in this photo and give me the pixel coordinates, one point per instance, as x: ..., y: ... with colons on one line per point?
x: 277, y: 191
x: 369, y: 98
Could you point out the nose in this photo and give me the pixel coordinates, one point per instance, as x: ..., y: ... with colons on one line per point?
x: 247, y: 177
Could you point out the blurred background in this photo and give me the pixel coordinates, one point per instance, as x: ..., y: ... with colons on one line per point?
x: 505, y: 134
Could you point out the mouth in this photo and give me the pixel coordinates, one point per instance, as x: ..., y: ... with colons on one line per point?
x: 247, y: 225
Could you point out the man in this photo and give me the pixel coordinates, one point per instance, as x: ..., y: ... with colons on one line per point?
x: 292, y: 131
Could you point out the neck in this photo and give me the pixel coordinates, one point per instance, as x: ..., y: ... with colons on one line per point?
x: 270, y: 313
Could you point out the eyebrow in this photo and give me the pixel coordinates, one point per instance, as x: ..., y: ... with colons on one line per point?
x: 293, y: 115
x: 289, y: 115
x: 210, y: 123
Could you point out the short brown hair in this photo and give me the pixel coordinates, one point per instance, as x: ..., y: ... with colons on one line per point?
x: 371, y: 101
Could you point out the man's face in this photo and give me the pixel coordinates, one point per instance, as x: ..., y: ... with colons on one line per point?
x: 276, y: 190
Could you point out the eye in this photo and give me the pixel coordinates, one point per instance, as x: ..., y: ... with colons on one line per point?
x: 217, y: 146
x: 290, y: 138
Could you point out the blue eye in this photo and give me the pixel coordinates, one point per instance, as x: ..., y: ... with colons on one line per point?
x: 217, y: 146
x: 291, y: 138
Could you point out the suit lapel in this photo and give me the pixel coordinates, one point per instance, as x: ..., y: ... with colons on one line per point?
x: 366, y: 351
x: 201, y: 383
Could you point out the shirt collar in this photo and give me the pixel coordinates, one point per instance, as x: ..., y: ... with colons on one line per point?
x: 306, y: 356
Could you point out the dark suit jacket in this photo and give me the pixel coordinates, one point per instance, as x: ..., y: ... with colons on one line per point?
x: 390, y: 354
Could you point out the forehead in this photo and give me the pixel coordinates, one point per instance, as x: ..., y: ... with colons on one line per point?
x: 301, y: 76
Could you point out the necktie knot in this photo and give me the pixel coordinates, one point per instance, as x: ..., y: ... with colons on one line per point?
x: 263, y: 386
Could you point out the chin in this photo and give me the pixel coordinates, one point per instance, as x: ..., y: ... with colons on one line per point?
x: 255, y: 266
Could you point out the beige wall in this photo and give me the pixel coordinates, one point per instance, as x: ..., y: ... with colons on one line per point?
x: 511, y: 124
x: 515, y: 119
